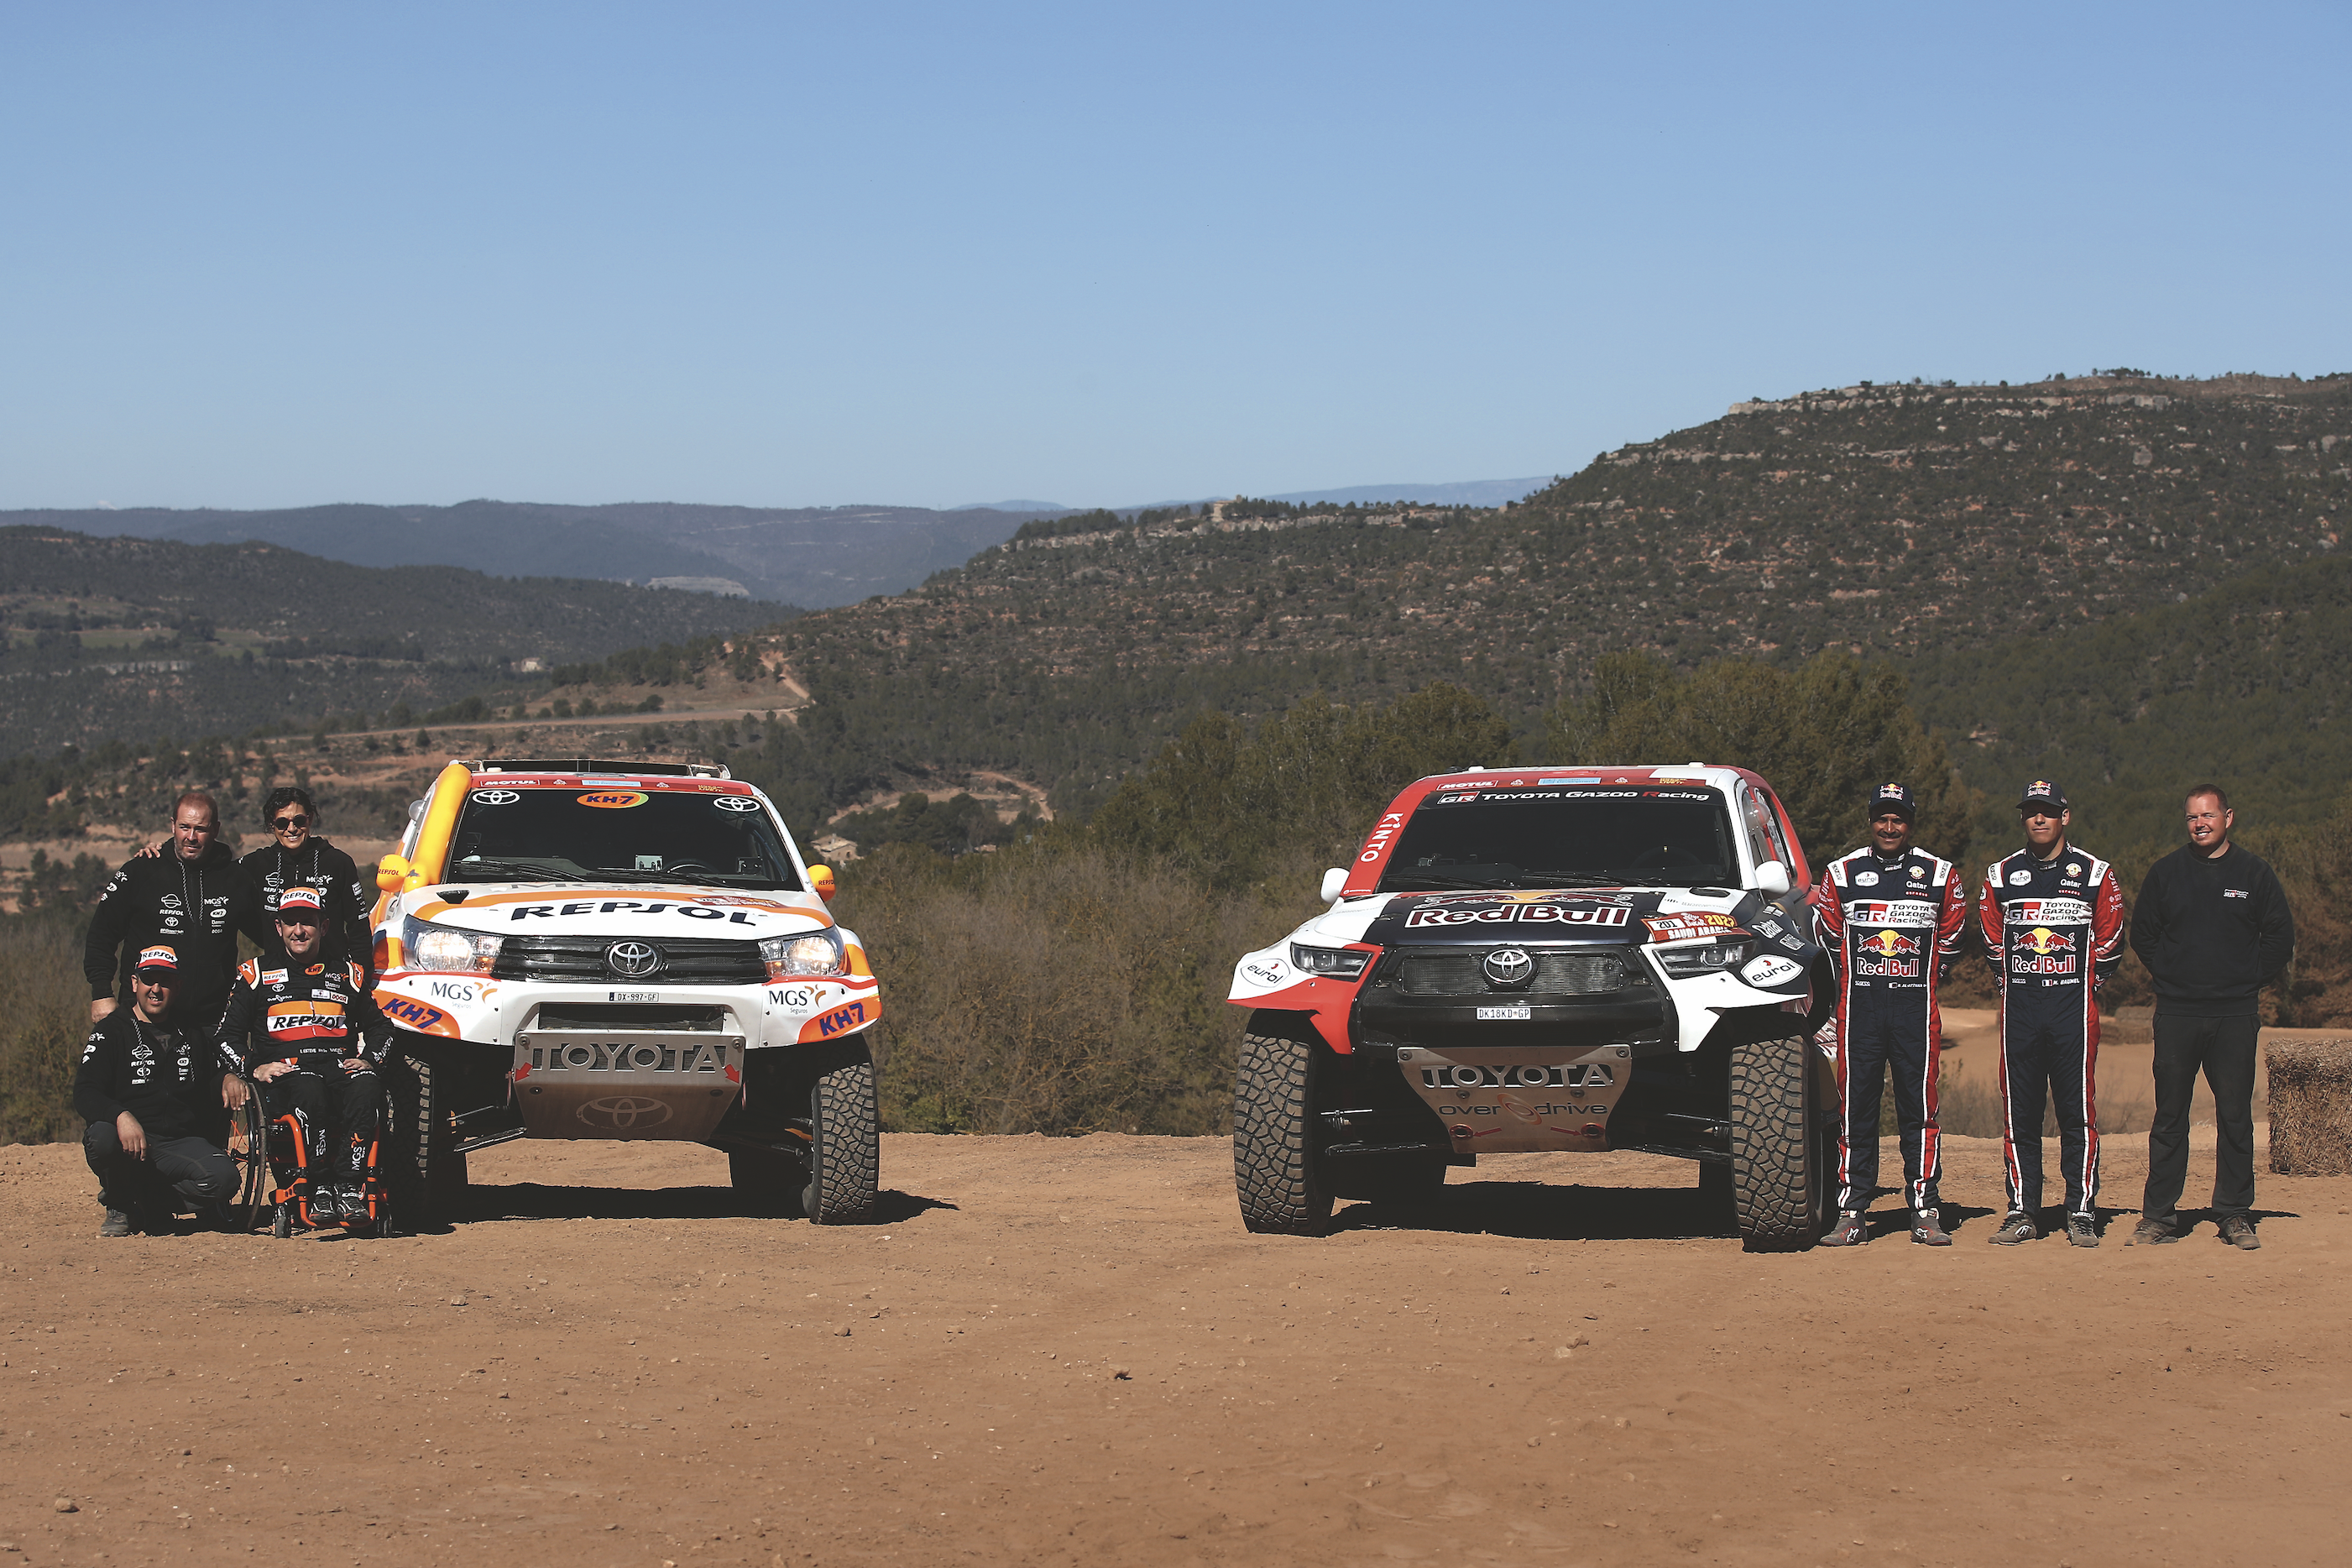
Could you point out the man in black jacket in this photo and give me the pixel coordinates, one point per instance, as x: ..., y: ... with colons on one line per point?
x: 301, y: 856
x: 153, y: 1094
x: 2213, y: 927
x: 193, y: 898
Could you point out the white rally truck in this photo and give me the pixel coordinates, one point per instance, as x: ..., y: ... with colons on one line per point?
x: 607, y: 950
x: 1537, y: 960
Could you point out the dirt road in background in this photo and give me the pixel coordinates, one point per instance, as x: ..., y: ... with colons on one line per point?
x: 1068, y: 1351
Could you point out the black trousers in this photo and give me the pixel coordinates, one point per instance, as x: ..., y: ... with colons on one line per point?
x: 1874, y: 1047
x: 2223, y: 1049
x: 2047, y: 1065
x: 178, y: 1173
x: 328, y: 1103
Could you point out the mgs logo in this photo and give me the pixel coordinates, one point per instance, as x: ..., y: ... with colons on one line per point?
x: 633, y: 960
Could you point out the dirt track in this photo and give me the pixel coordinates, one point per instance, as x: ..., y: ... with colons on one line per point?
x: 1068, y: 1351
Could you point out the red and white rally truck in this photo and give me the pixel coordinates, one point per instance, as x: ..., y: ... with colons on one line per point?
x: 1547, y: 959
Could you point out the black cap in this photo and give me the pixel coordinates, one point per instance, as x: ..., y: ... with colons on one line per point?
x: 2042, y: 792
x: 1894, y: 799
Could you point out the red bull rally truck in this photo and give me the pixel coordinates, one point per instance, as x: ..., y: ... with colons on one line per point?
x: 1554, y: 959
x: 583, y: 948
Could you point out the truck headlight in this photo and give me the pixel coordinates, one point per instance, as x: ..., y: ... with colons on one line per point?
x: 814, y: 952
x: 447, y: 950
x: 1335, y: 960
x: 1705, y: 958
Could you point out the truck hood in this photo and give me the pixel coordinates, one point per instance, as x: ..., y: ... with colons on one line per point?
x: 1551, y: 915
x: 587, y: 909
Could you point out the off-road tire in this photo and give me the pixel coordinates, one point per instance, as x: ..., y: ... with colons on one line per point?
x: 427, y: 1173
x: 1277, y: 1173
x: 844, y: 1162
x: 1775, y: 1156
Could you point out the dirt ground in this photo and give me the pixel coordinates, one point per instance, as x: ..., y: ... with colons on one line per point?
x: 1064, y: 1351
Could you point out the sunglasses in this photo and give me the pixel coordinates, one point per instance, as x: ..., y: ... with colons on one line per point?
x: 2041, y: 813
x: 287, y: 824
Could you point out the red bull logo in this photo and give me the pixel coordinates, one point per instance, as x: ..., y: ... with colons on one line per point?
x: 1888, y: 945
x: 2041, y: 951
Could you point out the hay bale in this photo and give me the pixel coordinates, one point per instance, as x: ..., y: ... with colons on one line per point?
x: 2311, y: 1107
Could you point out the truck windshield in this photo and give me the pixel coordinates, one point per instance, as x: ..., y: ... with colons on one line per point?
x: 619, y: 834
x: 1651, y: 836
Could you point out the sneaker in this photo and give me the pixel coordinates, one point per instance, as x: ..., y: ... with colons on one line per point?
x: 2238, y: 1230
x: 117, y: 1223
x: 2152, y: 1233
x: 1927, y: 1228
x: 1851, y: 1230
x: 320, y: 1205
x: 2019, y: 1227
x: 2082, y: 1230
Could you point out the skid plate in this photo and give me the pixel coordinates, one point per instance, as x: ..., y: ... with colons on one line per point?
x: 1501, y: 1099
x: 625, y: 1083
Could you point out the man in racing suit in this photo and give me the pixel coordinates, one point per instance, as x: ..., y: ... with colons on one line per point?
x: 2053, y: 929
x: 1891, y: 917
x: 320, y: 1040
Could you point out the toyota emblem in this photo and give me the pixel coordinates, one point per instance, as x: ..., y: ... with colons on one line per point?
x: 633, y: 960
x: 1509, y: 966
x: 736, y: 803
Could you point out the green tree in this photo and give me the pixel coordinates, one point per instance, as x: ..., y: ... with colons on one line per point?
x: 1823, y: 734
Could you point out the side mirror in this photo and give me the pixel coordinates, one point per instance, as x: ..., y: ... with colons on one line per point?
x: 1772, y: 879
x: 1334, y: 880
x: 820, y: 879
x: 392, y: 874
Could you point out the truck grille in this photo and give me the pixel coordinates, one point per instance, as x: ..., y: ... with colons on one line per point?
x: 1557, y: 974
x: 685, y: 960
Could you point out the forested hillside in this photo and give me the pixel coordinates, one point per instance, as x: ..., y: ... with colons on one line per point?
x: 127, y: 640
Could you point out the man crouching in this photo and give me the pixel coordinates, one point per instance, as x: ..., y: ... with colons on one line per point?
x: 156, y: 1092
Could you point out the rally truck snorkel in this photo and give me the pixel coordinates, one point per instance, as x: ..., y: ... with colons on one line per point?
x: 581, y: 949
x: 1562, y: 959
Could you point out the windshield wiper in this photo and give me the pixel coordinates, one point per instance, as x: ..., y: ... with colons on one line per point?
x: 688, y: 878
x: 1407, y: 881
x: 519, y: 870
x: 1567, y: 879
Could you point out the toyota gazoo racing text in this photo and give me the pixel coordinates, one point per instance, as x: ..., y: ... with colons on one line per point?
x: 616, y: 949
x: 1569, y: 960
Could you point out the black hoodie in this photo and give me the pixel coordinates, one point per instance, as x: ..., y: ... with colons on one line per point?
x: 318, y: 864
x: 199, y: 908
x: 2211, y: 932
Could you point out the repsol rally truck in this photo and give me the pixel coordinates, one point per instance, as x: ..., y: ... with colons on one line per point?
x: 591, y: 949
x: 1547, y: 959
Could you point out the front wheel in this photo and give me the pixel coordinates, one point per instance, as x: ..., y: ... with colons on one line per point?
x: 844, y: 1163
x: 1777, y: 1171
x: 1277, y: 1169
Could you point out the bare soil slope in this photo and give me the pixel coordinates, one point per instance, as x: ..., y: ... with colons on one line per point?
x: 1068, y: 1352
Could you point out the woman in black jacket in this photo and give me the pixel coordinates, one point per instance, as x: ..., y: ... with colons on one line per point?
x: 300, y: 856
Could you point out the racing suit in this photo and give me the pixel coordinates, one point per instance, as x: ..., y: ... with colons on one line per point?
x: 1892, y: 927
x: 346, y: 900
x: 314, y: 1016
x: 198, y: 907
x: 2053, y: 931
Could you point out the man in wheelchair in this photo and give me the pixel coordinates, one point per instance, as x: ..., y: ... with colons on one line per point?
x: 312, y: 1035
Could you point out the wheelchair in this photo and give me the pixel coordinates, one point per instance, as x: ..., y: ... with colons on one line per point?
x: 274, y: 1175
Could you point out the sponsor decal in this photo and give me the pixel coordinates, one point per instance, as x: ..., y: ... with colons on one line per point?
x: 273, y: 977
x: 1918, y: 873
x: 1267, y: 971
x: 452, y: 990
x: 1376, y: 844
x: 2237, y: 892
x: 1792, y: 944
x: 633, y: 960
x: 1865, y: 878
x: 625, y: 1056
x: 1532, y: 915
x: 614, y: 799
x: 409, y: 1011
x: 157, y: 957
x: 1770, y: 970
x: 2049, y: 912
x: 1887, y: 944
x: 1698, y: 923
x: 701, y: 909
x: 842, y: 1019
x: 736, y: 803
x: 1528, y: 1075
x: 170, y: 900
x: 495, y: 796
x: 2019, y: 878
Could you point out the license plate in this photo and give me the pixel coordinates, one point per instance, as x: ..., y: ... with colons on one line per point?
x: 1521, y: 1012
x: 632, y: 996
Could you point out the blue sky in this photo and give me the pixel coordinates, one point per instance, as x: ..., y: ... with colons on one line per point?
x: 282, y: 255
